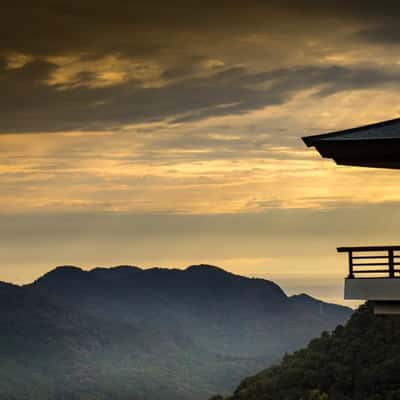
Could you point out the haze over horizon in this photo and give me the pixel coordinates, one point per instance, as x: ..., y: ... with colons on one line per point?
x: 168, y: 135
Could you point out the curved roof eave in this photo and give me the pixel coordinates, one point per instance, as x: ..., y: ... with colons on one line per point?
x: 374, y: 145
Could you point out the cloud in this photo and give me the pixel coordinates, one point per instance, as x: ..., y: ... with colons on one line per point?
x: 34, y: 105
x: 102, y: 65
x: 100, y: 27
x: 385, y: 34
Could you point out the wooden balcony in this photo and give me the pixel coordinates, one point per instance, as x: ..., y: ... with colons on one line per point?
x: 374, y: 273
x: 384, y: 260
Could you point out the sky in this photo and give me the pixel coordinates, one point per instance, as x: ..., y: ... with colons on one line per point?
x: 169, y: 134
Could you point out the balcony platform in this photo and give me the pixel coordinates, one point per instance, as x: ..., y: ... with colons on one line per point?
x: 374, y: 276
x: 387, y: 289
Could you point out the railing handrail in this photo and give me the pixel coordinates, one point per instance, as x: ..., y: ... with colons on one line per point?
x: 367, y: 248
x: 388, y: 260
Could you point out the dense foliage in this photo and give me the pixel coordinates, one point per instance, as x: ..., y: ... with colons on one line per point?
x: 360, y: 361
x: 126, y: 333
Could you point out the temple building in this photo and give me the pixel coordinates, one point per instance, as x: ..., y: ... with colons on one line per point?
x: 374, y: 271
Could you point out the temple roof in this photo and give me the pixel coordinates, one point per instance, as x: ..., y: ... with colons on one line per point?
x: 375, y: 145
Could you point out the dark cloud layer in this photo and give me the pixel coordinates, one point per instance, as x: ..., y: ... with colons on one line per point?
x: 177, y: 36
x: 344, y: 219
x: 60, y: 26
x: 32, y: 105
x: 385, y: 34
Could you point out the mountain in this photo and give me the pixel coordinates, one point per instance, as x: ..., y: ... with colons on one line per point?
x: 129, y: 333
x: 358, y: 361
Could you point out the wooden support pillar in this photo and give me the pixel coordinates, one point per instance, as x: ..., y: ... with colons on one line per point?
x: 391, y: 263
x: 351, y: 273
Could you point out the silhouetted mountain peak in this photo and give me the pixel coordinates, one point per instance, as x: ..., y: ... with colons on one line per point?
x: 305, y: 302
x: 61, y: 275
x: 307, y: 299
x: 63, y: 270
x: 304, y: 298
x: 206, y: 268
x: 115, y: 273
x: 127, y: 268
x: 70, y: 272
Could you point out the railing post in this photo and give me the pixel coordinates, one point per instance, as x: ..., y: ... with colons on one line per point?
x: 351, y: 273
x: 391, y: 263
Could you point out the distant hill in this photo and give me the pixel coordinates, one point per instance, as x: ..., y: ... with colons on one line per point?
x: 360, y: 361
x: 128, y: 333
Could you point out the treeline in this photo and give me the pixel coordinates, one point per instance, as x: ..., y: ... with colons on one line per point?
x: 359, y: 361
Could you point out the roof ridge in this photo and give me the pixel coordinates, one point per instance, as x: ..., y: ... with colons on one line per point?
x: 308, y: 140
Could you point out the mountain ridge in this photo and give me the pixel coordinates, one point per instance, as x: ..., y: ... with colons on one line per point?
x: 198, y: 331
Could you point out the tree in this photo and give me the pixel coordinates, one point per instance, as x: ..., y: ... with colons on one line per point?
x: 316, y: 394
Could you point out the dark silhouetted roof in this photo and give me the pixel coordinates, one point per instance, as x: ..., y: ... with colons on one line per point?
x: 375, y: 145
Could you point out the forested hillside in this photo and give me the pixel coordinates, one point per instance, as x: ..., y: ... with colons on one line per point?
x: 358, y: 361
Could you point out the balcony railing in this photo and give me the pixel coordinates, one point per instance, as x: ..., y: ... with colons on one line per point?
x: 381, y: 263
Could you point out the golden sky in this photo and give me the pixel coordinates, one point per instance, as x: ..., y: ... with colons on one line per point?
x: 169, y: 134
